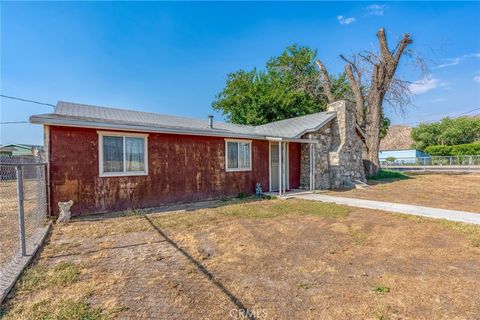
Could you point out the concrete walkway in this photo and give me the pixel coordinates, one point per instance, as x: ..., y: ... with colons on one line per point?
x: 452, y: 215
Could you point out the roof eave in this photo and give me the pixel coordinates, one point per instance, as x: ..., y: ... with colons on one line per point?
x: 45, y: 120
x: 321, y: 125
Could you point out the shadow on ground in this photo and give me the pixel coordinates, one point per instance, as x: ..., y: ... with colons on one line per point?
x: 248, y: 313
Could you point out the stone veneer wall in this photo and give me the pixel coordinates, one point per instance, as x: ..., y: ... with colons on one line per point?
x: 338, y: 151
x: 345, y: 155
x: 322, y: 166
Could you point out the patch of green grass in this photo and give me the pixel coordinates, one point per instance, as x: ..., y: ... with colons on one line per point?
x: 133, y: 212
x: 65, y: 310
x: 63, y: 273
x: 389, y: 175
x: 472, y: 231
x: 184, y: 219
x: 40, y: 276
x: 358, y: 236
x: 265, y: 209
x: 381, y: 289
x: 475, y: 241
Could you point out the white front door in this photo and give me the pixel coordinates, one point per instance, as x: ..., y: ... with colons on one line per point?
x: 274, y: 166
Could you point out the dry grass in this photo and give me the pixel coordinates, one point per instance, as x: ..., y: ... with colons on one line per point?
x: 9, y: 234
x: 471, y: 231
x: 258, y: 210
x: 280, y: 259
x: 439, y: 190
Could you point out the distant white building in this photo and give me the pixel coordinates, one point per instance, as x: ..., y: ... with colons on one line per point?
x: 401, y: 156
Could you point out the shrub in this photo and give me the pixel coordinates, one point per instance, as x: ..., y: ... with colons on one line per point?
x: 388, y: 174
x: 469, y: 149
x: 439, y: 150
x: 448, y: 132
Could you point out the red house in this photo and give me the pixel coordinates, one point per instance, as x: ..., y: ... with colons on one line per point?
x: 107, y: 159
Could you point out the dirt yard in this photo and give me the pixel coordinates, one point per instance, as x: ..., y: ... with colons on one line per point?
x: 271, y: 259
x: 439, y: 190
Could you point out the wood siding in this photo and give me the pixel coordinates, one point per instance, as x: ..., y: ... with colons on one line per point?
x: 181, y: 168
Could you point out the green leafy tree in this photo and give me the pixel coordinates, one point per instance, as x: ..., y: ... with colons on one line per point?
x: 469, y: 149
x: 447, y: 132
x: 384, y: 125
x: 288, y: 87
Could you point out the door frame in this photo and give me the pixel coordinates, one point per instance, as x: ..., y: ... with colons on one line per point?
x: 287, y: 166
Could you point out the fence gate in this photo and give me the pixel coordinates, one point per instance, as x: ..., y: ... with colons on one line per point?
x: 23, y: 212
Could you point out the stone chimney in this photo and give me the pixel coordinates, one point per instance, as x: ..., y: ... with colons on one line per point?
x: 345, y: 156
x: 338, y: 151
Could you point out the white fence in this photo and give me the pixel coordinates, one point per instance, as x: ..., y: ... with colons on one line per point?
x: 434, y: 163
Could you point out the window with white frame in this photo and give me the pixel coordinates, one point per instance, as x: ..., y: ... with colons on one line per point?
x: 123, y: 154
x: 238, y: 155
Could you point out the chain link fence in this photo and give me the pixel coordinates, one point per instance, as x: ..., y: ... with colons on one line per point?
x: 23, y: 205
x: 433, y: 161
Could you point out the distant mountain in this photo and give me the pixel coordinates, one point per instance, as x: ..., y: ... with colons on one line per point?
x: 397, y: 138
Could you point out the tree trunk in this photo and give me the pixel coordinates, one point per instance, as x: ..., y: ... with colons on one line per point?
x: 382, y: 75
x: 372, y: 161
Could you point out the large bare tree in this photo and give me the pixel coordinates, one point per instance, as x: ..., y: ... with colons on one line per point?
x: 369, y: 97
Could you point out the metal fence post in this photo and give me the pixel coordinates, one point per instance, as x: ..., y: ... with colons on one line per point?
x: 40, y: 204
x: 21, y: 214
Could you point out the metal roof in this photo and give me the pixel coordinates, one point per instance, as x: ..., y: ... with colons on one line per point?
x: 82, y: 115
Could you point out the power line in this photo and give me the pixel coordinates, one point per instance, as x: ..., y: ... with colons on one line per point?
x: 461, y: 114
x: 27, y: 100
x: 454, y: 116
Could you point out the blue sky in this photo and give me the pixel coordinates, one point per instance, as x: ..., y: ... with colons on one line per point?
x: 173, y: 58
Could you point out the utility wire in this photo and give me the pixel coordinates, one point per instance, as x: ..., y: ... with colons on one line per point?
x: 24, y: 100
x: 461, y: 114
x: 27, y: 100
x: 454, y: 116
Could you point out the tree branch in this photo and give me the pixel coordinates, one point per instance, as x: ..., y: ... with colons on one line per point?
x: 367, y: 58
x: 382, y: 40
x: 355, y: 84
x: 406, y: 40
x: 353, y: 64
x: 326, y: 83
